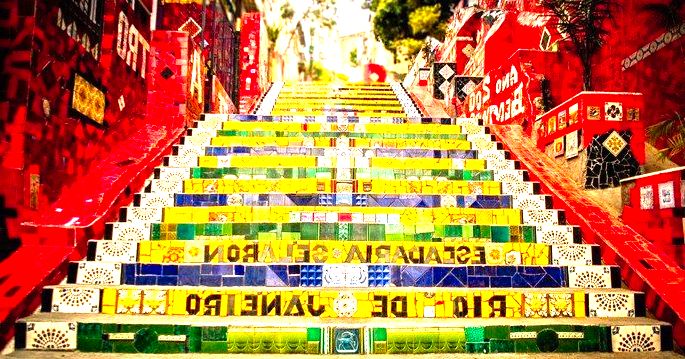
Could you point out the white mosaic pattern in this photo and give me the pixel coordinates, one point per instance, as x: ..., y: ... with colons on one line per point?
x: 166, y: 186
x: 156, y: 200
x: 100, y: 273
x: 598, y: 276
x: 173, y: 173
x: 572, y: 254
x: 541, y: 217
x: 508, y: 175
x: 611, y: 305
x: 529, y: 202
x: 518, y: 188
x: 646, y: 197
x: 636, y: 338
x: 51, y: 336
x: 551, y: 234
x: 130, y: 231
x: 116, y: 251
x: 75, y: 300
x: 144, y: 214
x: 666, y: 195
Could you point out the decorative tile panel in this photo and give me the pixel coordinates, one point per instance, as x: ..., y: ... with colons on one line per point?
x: 130, y: 231
x: 74, y: 300
x: 611, y: 305
x: 598, y: 276
x: 640, y: 338
x: 156, y: 199
x: 541, y: 217
x: 143, y: 214
x: 572, y: 254
x: 666, y: 195
x: 646, y: 197
x: 345, y: 276
x: 115, y: 251
x: 101, y: 273
x: 51, y: 336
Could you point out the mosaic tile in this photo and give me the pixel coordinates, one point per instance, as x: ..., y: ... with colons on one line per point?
x: 345, y: 276
x: 143, y: 214
x: 166, y: 186
x: 156, y: 200
x: 541, y: 217
x: 557, y: 234
x: 175, y: 174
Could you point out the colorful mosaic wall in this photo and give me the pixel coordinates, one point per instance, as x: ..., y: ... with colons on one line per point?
x: 335, y: 234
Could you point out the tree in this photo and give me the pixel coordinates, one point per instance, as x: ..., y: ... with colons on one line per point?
x: 583, y: 21
x: 403, y: 25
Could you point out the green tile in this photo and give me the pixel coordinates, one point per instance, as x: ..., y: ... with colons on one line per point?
x: 500, y: 234
x: 474, y: 334
x: 313, y: 334
x: 155, y: 231
x: 502, y: 346
x: 214, y: 347
x: 497, y: 332
x: 214, y: 333
x: 327, y: 231
x: 310, y: 231
x: 185, y: 231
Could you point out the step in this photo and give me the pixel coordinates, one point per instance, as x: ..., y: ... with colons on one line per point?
x: 408, y: 302
x: 342, y: 251
x: 337, y: 275
x: 346, y: 214
x: 453, y: 233
x: 297, y: 335
x: 225, y: 195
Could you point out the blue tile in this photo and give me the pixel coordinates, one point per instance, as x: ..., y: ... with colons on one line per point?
x: 210, y: 280
x: 533, y: 270
x: 557, y: 273
x: 294, y: 281
x: 223, y: 269
x: 189, y: 270
x: 255, y: 276
x: 483, y: 270
x: 518, y: 281
x: 167, y: 280
x: 206, y: 268
x: 478, y: 282
x: 294, y: 269
x: 239, y: 269
x: 191, y: 280
x: 232, y: 281
x: 507, y: 271
x: 170, y: 269
x: 151, y: 269
x: 129, y: 273
x: 146, y: 280
x: 500, y: 282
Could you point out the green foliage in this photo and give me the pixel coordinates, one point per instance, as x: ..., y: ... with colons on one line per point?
x: 354, y: 57
x: 671, y: 132
x: 398, y: 24
x: 405, y: 49
x: 320, y: 73
x: 584, y: 22
x: 423, y: 19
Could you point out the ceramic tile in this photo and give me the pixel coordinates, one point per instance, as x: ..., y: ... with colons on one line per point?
x: 130, y: 231
x: 176, y: 174
x: 541, y: 217
x: 166, y: 186
x: 51, y: 336
x: 74, y: 300
x: 642, y: 338
x: 345, y: 276
x: 555, y: 234
x: 572, y: 254
x: 530, y: 202
x: 590, y: 277
x: 647, y: 197
x: 143, y: 214
x: 116, y: 251
x: 156, y: 199
x: 666, y: 195
x: 101, y: 273
x: 613, y: 305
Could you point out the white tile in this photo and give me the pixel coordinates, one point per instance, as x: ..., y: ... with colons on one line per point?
x: 174, y: 173
x: 182, y: 161
x: 102, y: 273
x: 156, y: 200
x: 504, y: 175
x: 497, y: 164
x: 538, y: 217
x: 345, y: 276
x: 518, y: 188
x: 554, y: 234
x: 166, y: 186
x: 529, y: 202
x: 51, y: 335
x: 73, y: 299
x: 597, y: 276
x: 572, y: 254
x: 116, y: 251
x: 144, y: 214
x: 491, y: 154
x: 636, y: 338
x: 130, y: 231
x: 611, y: 305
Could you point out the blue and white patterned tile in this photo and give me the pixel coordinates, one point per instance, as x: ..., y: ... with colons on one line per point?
x: 530, y: 201
x: 555, y: 234
x: 166, y: 186
x: 518, y: 188
x: 508, y: 175
x: 311, y: 275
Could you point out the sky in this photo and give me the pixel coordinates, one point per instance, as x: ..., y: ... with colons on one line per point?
x: 351, y: 17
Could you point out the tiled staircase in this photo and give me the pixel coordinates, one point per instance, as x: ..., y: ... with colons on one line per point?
x: 350, y: 225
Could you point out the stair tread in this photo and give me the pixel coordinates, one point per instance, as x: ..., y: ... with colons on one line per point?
x: 278, y: 321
